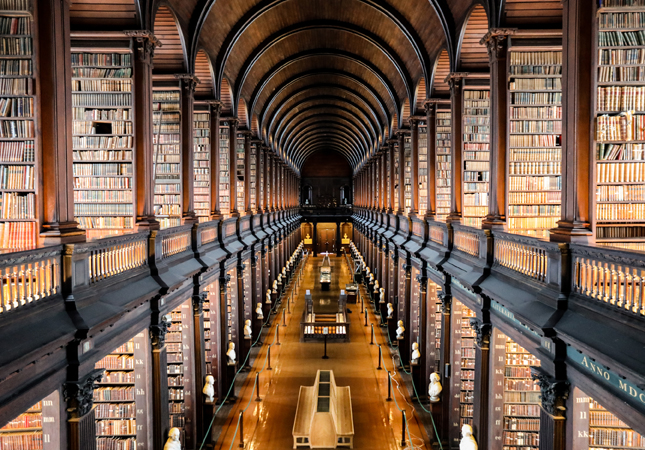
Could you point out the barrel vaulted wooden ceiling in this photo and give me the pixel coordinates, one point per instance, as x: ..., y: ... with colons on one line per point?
x: 318, y: 75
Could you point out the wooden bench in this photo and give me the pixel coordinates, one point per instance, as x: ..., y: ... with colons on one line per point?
x: 324, y: 416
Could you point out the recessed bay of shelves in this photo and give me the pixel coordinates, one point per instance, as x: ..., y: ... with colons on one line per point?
x: 620, y: 126
x: 36, y: 428
x: 407, y: 173
x: 422, y: 169
x: 443, y: 162
x: 18, y: 141
x: 467, y: 388
x: 239, y: 169
x: 103, y: 142
x: 476, y: 154
x: 535, y: 134
x: 224, y: 168
x: 166, y: 110
x: 202, y: 165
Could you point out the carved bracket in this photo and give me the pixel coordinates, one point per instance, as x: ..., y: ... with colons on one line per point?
x: 188, y: 81
x: 79, y: 395
x: 146, y: 42
x: 495, y: 41
x: 554, y: 393
x: 198, y: 302
x: 158, y: 333
x: 482, y: 333
x: 446, y: 302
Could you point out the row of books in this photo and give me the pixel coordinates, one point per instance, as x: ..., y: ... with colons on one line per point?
x: 535, y: 168
x: 15, y: 25
x: 115, y: 427
x: 25, y: 441
x: 106, y: 99
x: 613, y: 211
x: 616, y: 437
x: 613, y: 57
x: 608, y: 74
x: 623, y: 127
x: 533, y: 223
x: 621, y: 193
x: 16, y: 86
x: 621, y: 172
x: 16, y: 67
x: 619, y: 3
x: 551, y: 58
x: 18, y: 235
x: 621, y: 38
x: 519, y: 424
x: 102, y: 183
x: 112, y: 443
x: 522, y: 438
x: 102, y: 142
x: 627, y: 19
x: 535, y: 84
x: 534, y: 140
x: 17, y: 107
x: 17, y: 177
x: 533, y: 210
x: 101, y: 59
x: 102, y: 155
x: 117, y: 377
x: 535, y: 126
x: 103, y: 394
x: 94, y: 72
x: 89, y: 85
x: 105, y: 222
x: 476, y: 176
x: 536, y: 98
x: 621, y: 152
x: 16, y: 46
x: 11, y: 129
x: 528, y: 396
x: 618, y: 232
x: 476, y: 187
x: 17, y: 206
x: 534, y: 198
x: 92, y: 127
x: 110, y: 209
x: 26, y: 420
x: 620, y: 98
x: 532, y: 154
x: 115, y: 410
x: 102, y: 114
x: 116, y: 362
x: 535, y: 70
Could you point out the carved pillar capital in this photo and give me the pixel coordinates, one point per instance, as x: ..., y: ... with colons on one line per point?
x: 146, y: 42
x: 446, y: 302
x: 188, y: 82
x: 215, y: 106
x: 454, y: 79
x: 158, y: 333
x: 496, y: 42
x: 79, y: 395
x: 423, y: 283
x: 554, y: 393
x: 198, y: 302
x: 223, y: 283
x: 482, y: 333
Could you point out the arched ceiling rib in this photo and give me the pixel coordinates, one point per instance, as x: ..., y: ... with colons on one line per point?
x: 322, y: 74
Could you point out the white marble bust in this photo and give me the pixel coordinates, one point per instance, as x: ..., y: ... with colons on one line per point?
x: 284, y: 271
x: 173, y: 442
x: 209, y: 389
x: 230, y: 354
x: 376, y: 286
x: 416, y: 354
x: 268, y: 296
x: 382, y: 296
x: 390, y: 308
x: 435, y: 388
x: 467, y: 440
x: 247, y: 329
x: 258, y: 309
x: 371, y: 278
x: 275, y: 286
x: 400, y: 330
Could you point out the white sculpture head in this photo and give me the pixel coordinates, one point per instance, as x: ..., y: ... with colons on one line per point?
x: 390, y: 310
x: 376, y: 285
x: 434, y: 377
x: 467, y: 440
x: 231, y: 346
x: 258, y: 310
x: 400, y: 323
x: 466, y: 430
x: 415, y: 346
x: 435, y: 388
x: 173, y: 440
x: 247, y: 322
x: 209, y: 390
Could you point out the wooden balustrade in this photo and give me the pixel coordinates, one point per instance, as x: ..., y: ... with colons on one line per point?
x: 29, y: 276
x: 613, y: 277
x: 172, y: 244
x: 436, y: 234
x: 208, y: 235
x: 527, y: 258
x: 467, y: 242
x: 116, y: 255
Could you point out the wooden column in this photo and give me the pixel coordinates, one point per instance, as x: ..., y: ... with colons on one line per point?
x: 55, y: 103
x: 496, y: 41
x: 401, y: 150
x: 160, y: 409
x: 414, y: 166
x: 232, y: 164
x: 424, y: 374
x: 456, y: 183
x: 81, y: 422
x: 444, y: 357
x: 578, y: 76
x: 188, y: 83
x: 265, y: 179
x: 482, y: 382
x: 390, y: 206
x: 144, y: 45
x: 383, y: 196
x: 553, y: 423
x: 200, y: 360
x: 431, y: 119
x: 215, y: 111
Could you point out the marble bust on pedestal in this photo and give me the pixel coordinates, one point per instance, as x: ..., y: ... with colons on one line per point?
x: 416, y: 354
x: 467, y: 440
x: 173, y: 442
x: 258, y: 309
x: 435, y: 388
x: 231, y: 357
x: 390, y: 309
x: 247, y: 329
x: 400, y: 330
x: 209, y: 389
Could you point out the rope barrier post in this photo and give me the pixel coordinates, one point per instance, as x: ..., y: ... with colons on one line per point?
x: 380, y: 357
x: 403, y: 423
x: 241, y: 420
x: 372, y: 338
x: 269, y: 358
x: 361, y: 298
x: 366, y: 317
x: 277, y: 334
x: 257, y: 387
x: 284, y: 318
x: 289, y: 306
x: 389, y: 387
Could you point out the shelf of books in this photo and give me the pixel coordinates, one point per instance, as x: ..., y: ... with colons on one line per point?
x: 120, y: 397
x: 463, y: 363
x: 224, y: 168
x: 211, y: 331
x: 231, y: 309
x: 407, y: 173
x: 253, y: 174
x: 18, y: 160
x: 103, y: 142
x: 443, y: 142
x: 422, y: 168
x: 166, y: 110
x: 397, y: 184
x: 202, y: 163
x: 179, y: 345
x: 620, y: 125
x: 596, y: 428
x: 535, y: 134
x: 476, y: 153
x: 239, y: 170
x: 35, y: 429
x: 518, y: 395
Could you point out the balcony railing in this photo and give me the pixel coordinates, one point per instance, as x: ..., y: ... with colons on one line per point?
x: 522, y: 254
x: 29, y: 276
x: 612, y: 277
x: 112, y: 256
x: 467, y: 242
x: 175, y: 241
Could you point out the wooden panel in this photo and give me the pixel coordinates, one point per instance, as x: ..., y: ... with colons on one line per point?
x: 242, y: 114
x: 532, y: 13
x: 204, y: 73
x: 169, y: 58
x: 420, y: 96
x: 473, y: 55
x: 442, y: 69
x: 226, y: 97
x: 103, y: 14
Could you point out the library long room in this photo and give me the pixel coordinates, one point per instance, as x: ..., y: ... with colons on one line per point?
x: 369, y: 224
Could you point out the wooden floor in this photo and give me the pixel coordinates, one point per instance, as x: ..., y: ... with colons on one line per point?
x: 268, y: 424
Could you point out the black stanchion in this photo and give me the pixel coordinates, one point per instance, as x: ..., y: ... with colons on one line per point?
x: 325, y: 355
x: 269, y: 358
x: 257, y: 387
x: 372, y: 338
x: 241, y: 429
x: 366, y: 317
x: 389, y: 388
x: 380, y: 357
x: 403, y: 423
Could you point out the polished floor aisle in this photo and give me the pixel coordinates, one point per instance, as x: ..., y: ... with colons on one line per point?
x: 268, y: 424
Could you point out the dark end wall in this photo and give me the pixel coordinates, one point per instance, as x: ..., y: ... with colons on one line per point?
x: 326, y: 172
